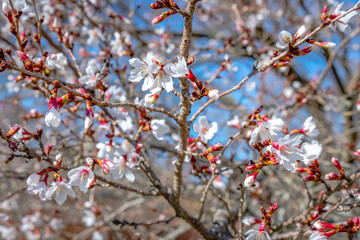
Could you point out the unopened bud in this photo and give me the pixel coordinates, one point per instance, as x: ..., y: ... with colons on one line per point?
x: 48, y: 149
x: 58, y: 161
x: 22, y: 56
x: 13, y: 130
x: 89, y: 161
x: 336, y: 163
x: 332, y: 176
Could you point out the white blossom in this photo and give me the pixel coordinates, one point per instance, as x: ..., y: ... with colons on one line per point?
x: 89, y: 218
x: 248, y: 220
x: 8, y: 233
x: 53, y: 117
x: 92, y: 71
x: 284, y: 39
x: 266, y: 130
x: 257, y: 235
x: 213, y: 94
x: 122, y: 169
x: 159, y: 128
x: 205, y: 130
x: 39, y: 189
x: 309, y: 128
x: 95, y: 36
x: 82, y: 177
x: 62, y: 191
x: 311, y: 151
x: 316, y: 235
x: 342, y: 23
x: 287, y: 152
x: 58, y: 61
x: 117, y: 45
x: 143, y: 69
x: 179, y: 69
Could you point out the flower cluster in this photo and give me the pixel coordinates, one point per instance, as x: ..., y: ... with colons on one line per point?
x: 262, y: 232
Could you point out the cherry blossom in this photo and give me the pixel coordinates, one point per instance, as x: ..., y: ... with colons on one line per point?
x: 163, y: 80
x: 62, y: 191
x: 219, y: 184
x: 159, y: 128
x: 122, y: 169
x: 234, y: 122
x: 180, y: 68
x: 116, y: 92
x: 108, y: 151
x: 8, y: 233
x: 53, y: 116
x: 342, y: 23
x: 89, y: 119
x: 91, y: 70
x: 82, y: 177
x: 316, y: 235
x: 89, y: 218
x: 286, y: 39
x: 39, y: 189
x: 150, y: 99
x: 205, y: 130
x: 287, y: 152
x: 213, y: 94
x: 266, y: 130
x: 249, y: 220
x: 309, y: 128
x: 95, y: 36
x: 143, y: 69
x: 117, y: 44
x: 311, y: 151
x: 257, y: 235
x: 58, y: 61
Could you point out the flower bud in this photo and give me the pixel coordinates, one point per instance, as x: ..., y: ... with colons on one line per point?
x: 13, y: 146
x: 89, y: 120
x: 161, y: 17
x: 191, y: 76
x: 89, y: 161
x: 58, y: 161
x: 336, y: 163
x: 48, y: 149
x: 213, y: 94
x: 300, y: 32
x: 250, y: 180
x: 332, y: 176
x: 150, y: 99
x: 13, y: 130
x: 22, y: 56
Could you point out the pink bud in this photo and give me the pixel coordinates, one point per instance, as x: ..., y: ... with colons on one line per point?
x: 357, y: 153
x: 309, y: 177
x: 324, y: 10
x: 48, y: 149
x: 356, y: 221
x: 274, y: 207
x: 191, y: 76
x: 22, y: 56
x: 336, y: 163
x: 13, y: 130
x: 251, y: 167
x: 332, y: 176
x: 275, y: 145
x: 300, y: 170
x: 157, y: 19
